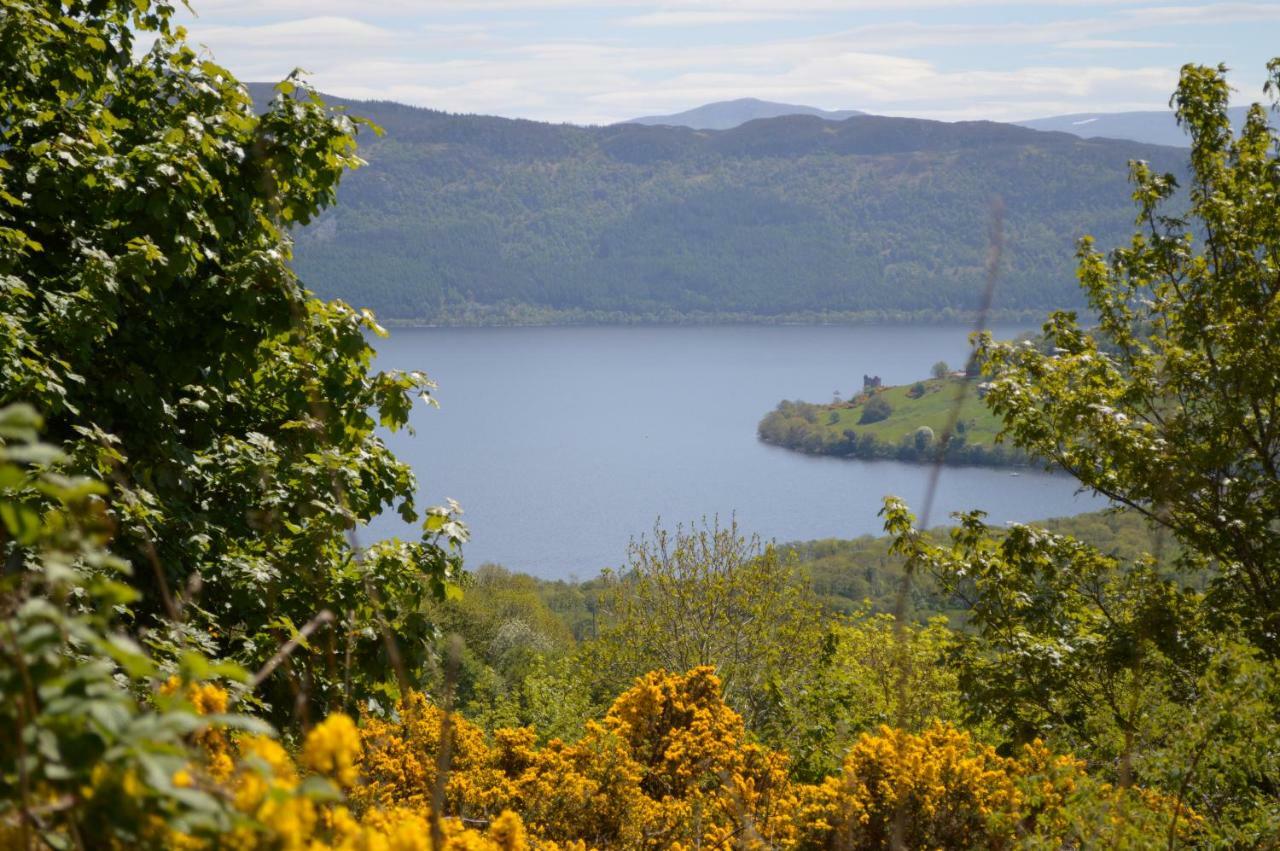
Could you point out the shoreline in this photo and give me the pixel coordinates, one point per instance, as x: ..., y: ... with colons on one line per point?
x: 1014, y: 463
x: 907, y: 427
x: 565, y: 319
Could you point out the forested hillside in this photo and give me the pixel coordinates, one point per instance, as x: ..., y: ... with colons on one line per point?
x: 470, y: 218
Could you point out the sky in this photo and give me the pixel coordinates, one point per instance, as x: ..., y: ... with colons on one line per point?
x: 602, y: 61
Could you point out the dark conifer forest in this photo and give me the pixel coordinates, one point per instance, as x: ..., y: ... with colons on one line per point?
x: 463, y: 219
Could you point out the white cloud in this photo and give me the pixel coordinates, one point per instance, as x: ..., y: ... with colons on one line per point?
x: 696, y: 18
x: 886, y: 83
x: 302, y: 34
x: 417, y: 7
x: 582, y: 83
x: 1111, y: 44
x: 940, y: 65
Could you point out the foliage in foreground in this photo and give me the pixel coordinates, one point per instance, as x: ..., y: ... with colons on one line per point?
x: 218, y: 445
x: 168, y: 763
x: 1171, y: 405
x: 171, y: 764
x: 149, y: 312
x: 669, y: 766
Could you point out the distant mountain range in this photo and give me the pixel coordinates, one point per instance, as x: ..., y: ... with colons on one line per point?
x: 725, y: 115
x: 1156, y: 127
x: 475, y: 219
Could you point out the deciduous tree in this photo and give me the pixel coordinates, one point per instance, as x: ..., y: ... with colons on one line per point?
x: 712, y: 596
x: 150, y: 313
x: 1171, y: 404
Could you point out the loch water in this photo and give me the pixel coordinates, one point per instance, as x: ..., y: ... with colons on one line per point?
x: 562, y: 443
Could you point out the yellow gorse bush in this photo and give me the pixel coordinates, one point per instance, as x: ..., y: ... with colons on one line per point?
x: 284, y: 808
x: 669, y: 766
x: 333, y: 749
x: 947, y: 788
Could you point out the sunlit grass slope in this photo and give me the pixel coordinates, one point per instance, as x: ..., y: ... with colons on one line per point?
x: 932, y: 408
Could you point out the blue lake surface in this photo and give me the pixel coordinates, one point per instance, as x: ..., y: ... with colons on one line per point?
x: 563, y: 443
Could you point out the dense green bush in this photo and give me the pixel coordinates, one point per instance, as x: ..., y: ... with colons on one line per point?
x: 81, y: 756
x: 150, y: 314
x: 876, y: 409
x: 1169, y: 406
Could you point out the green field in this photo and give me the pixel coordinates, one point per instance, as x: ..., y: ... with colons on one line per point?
x: 934, y: 408
x: 837, y: 428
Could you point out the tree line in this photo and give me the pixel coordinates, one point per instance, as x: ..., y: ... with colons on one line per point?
x: 473, y: 219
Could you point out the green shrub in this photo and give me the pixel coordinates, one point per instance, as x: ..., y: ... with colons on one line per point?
x: 875, y: 409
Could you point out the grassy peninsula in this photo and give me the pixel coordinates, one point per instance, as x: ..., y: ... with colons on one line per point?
x: 905, y: 423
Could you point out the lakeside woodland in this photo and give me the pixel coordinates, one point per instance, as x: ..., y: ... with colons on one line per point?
x: 478, y: 220
x: 194, y: 654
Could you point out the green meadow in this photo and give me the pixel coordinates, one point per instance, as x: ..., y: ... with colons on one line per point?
x: 933, y: 408
x: 919, y: 415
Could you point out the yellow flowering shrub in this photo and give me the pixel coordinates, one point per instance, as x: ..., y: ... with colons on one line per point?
x: 668, y: 766
x: 588, y: 791
x: 401, y: 755
x: 938, y: 789
x: 697, y: 763
x: 282, y: 808
x: 1059, y: 800
x: 942, y: 789
x: 205, y: 699
x: 333, y: 749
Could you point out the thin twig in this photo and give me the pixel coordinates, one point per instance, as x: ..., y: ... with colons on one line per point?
x: 289, y: 646
x: 995, y: 253
x: 28, y: 701
x: 1182, y: 791
x: 171, y: 607
x: 453, y: 657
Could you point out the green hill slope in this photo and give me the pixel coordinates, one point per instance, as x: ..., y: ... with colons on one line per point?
x: 473, y: 218
x: 915, y: 417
